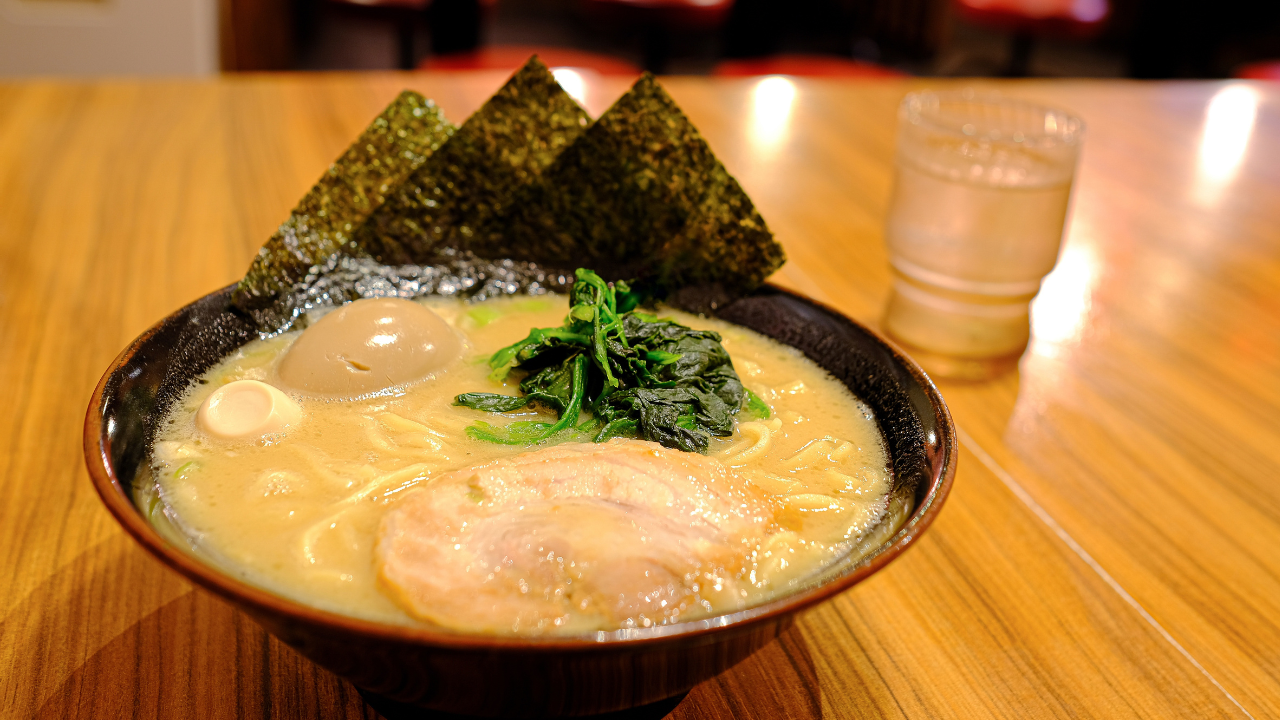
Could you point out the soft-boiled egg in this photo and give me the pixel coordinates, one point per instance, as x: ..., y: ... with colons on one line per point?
x: 245, y: 409
x: 369, y: 345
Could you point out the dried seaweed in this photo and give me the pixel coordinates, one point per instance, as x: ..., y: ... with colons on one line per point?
x: 641, y: 195
x: 400, y: 139
x: 343, y: 278
x: 475, y: 176
x: 628, y: 185
x: 724, y: 251
x: 638, y: 194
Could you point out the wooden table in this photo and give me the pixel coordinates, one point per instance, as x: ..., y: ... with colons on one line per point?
x: 1112, y: 545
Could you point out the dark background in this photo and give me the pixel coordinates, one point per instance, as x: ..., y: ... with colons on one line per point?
x: 1141, y: 38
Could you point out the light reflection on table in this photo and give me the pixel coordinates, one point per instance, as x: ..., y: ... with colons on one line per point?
x: 768, y: 123
x: 1228, y: 127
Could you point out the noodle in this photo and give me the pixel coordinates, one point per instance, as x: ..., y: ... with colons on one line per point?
x: 757, y: 439
x: 298, y: 513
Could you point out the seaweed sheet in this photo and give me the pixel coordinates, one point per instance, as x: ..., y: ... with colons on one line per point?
x: 400, y: 139
x: 474, y: 177
x: 641, y: 194
x: 514, y: 199
x: 455, y: 273
x: 725, y: 250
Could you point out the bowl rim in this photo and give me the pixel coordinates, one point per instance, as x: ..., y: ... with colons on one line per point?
x: 262, y: 601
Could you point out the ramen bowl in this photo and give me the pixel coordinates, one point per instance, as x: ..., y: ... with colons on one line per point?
x: 527, y: 676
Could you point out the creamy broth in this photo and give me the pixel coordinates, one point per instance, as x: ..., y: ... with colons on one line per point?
x: 298, y: 512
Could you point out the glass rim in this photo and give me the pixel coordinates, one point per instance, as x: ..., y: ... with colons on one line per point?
x: 915, y: 108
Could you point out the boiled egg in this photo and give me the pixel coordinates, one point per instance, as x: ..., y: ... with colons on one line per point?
x: 369, y: 345
x: 246, y: 409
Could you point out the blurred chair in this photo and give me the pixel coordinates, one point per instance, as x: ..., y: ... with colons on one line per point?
x: 511, y: 57
x: 913, y: 28
x: 454, y: 24
x: 804, y: 66
x: 1028, y: 20
x: 253, y: 35
x: 1267, y: 70
x: 865, y: 29
x: 658, y: 20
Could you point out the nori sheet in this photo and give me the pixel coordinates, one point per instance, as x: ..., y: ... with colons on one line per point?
x: 455, y: 273
x: 724, y: 251
x: 475, y: 176
x: 641, y: 195
x: 400, y: 139
x: 636, y: 195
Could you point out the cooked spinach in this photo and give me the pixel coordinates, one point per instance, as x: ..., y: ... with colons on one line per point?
x: 638, y: 375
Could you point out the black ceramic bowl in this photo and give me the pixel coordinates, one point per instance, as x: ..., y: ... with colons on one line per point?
x: 526, y: 676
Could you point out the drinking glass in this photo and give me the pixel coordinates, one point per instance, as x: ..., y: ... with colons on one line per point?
x: 975, y: 222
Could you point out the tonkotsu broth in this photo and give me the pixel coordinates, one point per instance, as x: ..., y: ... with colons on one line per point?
x: 298, y: 512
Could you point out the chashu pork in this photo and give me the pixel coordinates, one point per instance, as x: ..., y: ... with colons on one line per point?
x: 574, y: 537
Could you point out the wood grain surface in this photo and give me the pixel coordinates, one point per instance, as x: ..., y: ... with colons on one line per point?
x: 1112, y: 545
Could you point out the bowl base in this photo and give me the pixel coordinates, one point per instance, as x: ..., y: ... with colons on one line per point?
x: 395, y: 710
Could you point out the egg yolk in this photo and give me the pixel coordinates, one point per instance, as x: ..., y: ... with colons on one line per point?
x: 369, y: 345
x: 246, y: 408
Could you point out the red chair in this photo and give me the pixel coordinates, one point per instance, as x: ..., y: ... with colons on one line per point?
x: 1269, y: 70
x: 404, y: 15
x: 804, y: 66
x: 674, y: 14
x: 455, y: 22
x: 1027, y: 20
x: 512, y: 57
x: 658, y: 20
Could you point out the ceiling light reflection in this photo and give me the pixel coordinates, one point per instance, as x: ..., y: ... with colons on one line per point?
x: 1089, y: 10
x: 1059, y: 312
x: 771, y: 104
x: 1228, y: 126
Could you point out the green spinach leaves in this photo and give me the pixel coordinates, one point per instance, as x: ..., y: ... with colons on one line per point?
x: 637, y: 375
